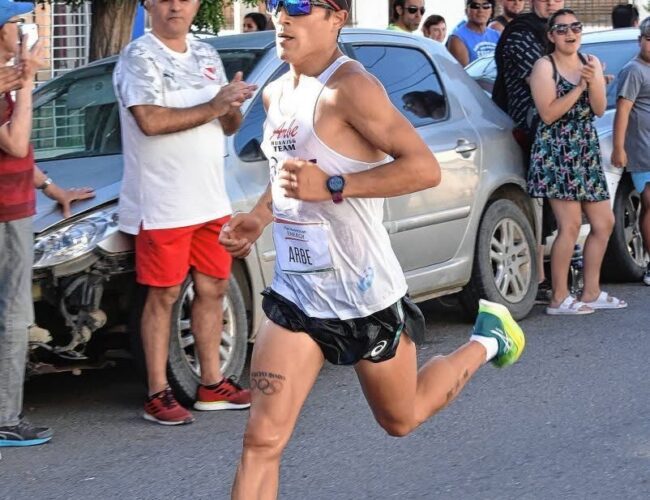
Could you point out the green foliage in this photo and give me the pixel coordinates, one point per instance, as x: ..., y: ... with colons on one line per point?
x: 210, y: 17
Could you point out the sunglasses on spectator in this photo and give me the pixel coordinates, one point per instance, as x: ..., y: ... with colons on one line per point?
x: 476, y: 6
x: 299, y: 7
x: 563, y: 29
x: 412, y: 9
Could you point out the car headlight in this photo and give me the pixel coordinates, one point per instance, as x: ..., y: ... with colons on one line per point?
x: 75, y: 239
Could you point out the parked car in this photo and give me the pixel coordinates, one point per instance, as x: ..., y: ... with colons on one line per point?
x: 472, y: 234
x: 626, y: 259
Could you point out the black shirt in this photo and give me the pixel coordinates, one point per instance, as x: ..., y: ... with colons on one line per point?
x: 522, y: 43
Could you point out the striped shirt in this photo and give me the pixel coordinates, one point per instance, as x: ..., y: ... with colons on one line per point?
x: 17, y: 196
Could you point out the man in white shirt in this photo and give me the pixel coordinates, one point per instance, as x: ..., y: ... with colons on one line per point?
x: 175, y: 107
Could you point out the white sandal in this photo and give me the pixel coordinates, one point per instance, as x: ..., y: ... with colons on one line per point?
x: 570, y: 307
x: 606, y: 301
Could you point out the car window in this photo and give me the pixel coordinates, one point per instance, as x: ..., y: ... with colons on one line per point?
x: 239, y: 60
x: 77, y: 116
x: 613, y: 55
x: 410, y: 80
x: 248, y: 140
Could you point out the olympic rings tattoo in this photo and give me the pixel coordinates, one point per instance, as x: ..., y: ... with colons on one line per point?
x: 267, y: 383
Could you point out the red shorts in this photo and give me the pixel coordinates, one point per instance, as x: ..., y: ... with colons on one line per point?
x: 163, y: 257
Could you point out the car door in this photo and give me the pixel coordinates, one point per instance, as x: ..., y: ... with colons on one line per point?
x: 427, y: 227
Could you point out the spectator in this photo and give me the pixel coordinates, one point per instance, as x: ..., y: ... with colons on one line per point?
x: 569, y: 90
x: 407, y: 15
x: 632, y: 129
x: 435, y: 27
x: 175, y: 106
x: 474, y: 39
x: 18, y: 177
x: 625, y: 15
x: 254, y: 21
x: 521, y: 44
x: 509, y: 10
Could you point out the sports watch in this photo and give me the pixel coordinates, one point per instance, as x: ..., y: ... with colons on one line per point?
x: 335, y: 185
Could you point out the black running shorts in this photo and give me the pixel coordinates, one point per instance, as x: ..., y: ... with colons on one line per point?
x: 346, y: 342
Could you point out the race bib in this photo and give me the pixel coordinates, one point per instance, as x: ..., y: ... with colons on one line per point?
x: 302, y: 248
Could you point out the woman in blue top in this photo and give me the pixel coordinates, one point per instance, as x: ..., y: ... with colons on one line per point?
x: 474, y: 39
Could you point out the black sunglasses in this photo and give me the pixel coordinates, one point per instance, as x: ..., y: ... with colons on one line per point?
x: 299, y: 7
x: 412, y: 9
x: 563, y: 29
x: 476, y: 6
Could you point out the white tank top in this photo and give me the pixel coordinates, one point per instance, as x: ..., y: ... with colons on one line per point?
x: 332, y: 260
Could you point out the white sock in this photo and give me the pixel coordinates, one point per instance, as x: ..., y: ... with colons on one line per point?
x: 491, y: 345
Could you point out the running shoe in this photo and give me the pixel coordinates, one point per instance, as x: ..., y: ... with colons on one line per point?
x: 226, y: 395
x: 494, y: 320
x: 24, y: 434
x: 163, y: 409
x: 646, y: 276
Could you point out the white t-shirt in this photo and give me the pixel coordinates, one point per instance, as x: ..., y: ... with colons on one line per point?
x: 171, y: 180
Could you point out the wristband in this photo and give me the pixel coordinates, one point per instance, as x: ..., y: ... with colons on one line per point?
x: 45, y: 184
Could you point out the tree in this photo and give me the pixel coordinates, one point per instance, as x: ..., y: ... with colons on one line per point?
x: 112, y: 22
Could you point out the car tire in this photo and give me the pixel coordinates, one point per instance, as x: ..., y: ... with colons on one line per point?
x: 625, y: 259
x: 182, y: 367
x: 505, y: 228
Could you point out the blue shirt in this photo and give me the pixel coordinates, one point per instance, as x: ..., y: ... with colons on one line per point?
x: 478, y: 45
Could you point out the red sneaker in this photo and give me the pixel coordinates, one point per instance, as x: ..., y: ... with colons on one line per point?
x: 163, y: 408
x: 226, y: 395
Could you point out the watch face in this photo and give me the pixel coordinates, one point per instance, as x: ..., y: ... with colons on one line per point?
x: 335, y: 183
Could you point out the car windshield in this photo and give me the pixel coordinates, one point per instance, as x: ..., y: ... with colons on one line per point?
x: 76, y: 115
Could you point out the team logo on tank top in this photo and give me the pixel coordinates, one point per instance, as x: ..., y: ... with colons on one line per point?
x: 283, y: 137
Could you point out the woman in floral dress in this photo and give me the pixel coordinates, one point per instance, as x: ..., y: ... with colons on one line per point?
x: 565, y: 164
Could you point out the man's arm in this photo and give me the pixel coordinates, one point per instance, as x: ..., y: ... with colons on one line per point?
x: 62, y: 196
x: 11, y: 78
x: 138, y: 83
x: 458, y: 49
x: 365, y: 106
x: 621, y: 121
x: 523, y: 50
x: 159, y: 120
x: 15, y: 135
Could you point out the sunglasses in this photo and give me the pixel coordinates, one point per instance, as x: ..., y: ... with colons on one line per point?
x: 18, y: 21
x: 412, y: 9
x: 476, y: 6
x: 299, y: 7
x: 563, y: 29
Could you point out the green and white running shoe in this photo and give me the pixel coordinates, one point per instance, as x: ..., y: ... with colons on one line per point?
x: 494, y: 321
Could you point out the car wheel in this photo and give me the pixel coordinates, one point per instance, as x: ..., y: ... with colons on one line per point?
x: 505, y: 267
x: 625, y: 259
x: 183, y: 368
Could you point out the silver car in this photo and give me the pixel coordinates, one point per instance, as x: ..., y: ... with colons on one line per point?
x: 471, y: 235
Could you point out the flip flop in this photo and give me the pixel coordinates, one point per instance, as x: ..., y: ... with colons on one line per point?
x: 569, y: 307
x: 606, y: 301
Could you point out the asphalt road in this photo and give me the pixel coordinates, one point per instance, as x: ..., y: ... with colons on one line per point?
x: 571, y: 420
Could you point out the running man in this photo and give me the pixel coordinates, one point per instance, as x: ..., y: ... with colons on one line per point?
x: 338, y: 292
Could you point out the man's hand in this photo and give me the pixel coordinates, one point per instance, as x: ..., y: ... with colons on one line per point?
x: 31, y: 60
x: 65, y: 197
x: 232, y: 96
x: 303, y: 180
x: 240, y: 233
x: 11, y: 78
x: 619, y: 157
